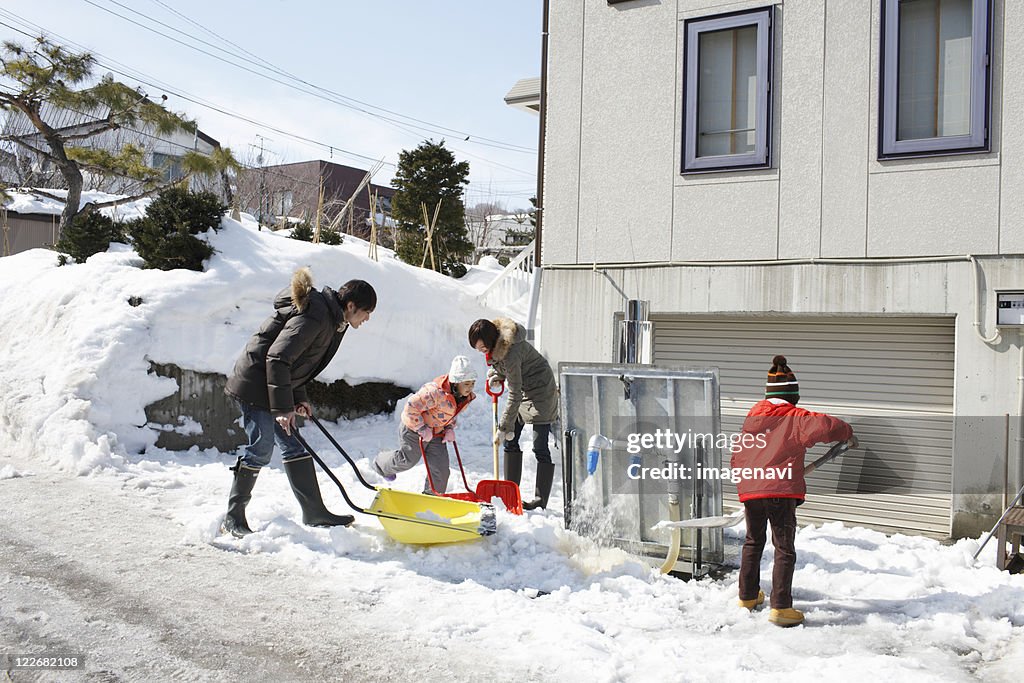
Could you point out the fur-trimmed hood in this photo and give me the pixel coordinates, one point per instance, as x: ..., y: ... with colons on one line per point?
x: 301, y: 296
x: 509, y: 332
x: 302, y: 285
x: 532, y: 392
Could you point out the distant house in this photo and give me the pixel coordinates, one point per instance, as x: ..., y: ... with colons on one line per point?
x: 31, y: 221
x: 292, y: 191
x: 21, y: 167
x: 23, y: 231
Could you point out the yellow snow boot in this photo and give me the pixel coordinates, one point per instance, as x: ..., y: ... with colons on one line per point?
x: 786, y: 617
x: 751, y: 604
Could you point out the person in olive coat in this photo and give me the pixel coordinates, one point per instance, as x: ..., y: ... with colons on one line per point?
x: 532, y: 398
x: 293, y: 346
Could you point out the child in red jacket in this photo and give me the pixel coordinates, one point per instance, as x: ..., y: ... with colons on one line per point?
x: 781, y: 433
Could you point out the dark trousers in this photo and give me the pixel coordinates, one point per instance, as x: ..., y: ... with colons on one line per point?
x: 541, y: 449
x: 781, y: 513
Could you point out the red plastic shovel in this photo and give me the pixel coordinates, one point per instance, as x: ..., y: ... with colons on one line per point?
x: 468, y: 495
x: 507, y: 491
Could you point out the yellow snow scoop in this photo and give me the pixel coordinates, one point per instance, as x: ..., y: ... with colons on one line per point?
x: 414, y: 517
x: 420, y: 519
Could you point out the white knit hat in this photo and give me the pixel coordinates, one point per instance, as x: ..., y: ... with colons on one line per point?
x: 461, y: 370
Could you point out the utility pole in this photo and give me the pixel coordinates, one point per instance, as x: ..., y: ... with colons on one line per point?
x: 263, y: 182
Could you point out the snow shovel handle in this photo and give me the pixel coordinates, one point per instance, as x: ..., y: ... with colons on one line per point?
x: 430, y: 478
x: 492, y: 394
x: 834, y: 452
x: 330, y: 474
x: 344, y: 494
x: 359, y: 475
x: 458, y: 458
x: 426, y: 466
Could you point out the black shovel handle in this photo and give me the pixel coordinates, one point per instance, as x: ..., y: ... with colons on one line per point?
x: 833, y: 453
x: 325, y: 468
x: 359, y: 475
x: 344, y: 494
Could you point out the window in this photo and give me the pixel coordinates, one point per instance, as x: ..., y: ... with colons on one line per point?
x: 934, y: 77
x: 727, y: 92
x: 283, y: 202
x: 169, y: 165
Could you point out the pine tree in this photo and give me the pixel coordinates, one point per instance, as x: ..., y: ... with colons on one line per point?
x: 330, y: 236
x: 426, y: 175
x: 166, y: 238
x: 527, y: 227
x: 303, y: 231
x: 89, y: 234
x: 44, y: 78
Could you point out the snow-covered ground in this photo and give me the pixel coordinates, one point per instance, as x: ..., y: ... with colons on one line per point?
x: 109, y: 546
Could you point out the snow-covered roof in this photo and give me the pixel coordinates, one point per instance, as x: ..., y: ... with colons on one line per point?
x: 27, y: 201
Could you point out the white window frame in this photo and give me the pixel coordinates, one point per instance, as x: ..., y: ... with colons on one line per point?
x: 978, y: 139
x: 760, y: 157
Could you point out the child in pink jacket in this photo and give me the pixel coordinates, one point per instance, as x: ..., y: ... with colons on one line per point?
x: 429, y: 416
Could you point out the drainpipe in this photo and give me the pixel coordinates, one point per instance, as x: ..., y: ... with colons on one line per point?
x: 979, y: 304
x: 542, y: 134
x: 536, y: 279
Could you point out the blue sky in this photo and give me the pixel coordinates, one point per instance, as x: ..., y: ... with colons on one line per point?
x: 446, y: 63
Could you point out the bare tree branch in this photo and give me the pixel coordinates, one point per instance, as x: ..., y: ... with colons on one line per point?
x: 101, y: 128
x: 44, y: 193
x: 19, y: 141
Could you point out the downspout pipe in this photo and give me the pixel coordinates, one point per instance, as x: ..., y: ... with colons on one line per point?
x: 542, y: 135
x: 979, y: 304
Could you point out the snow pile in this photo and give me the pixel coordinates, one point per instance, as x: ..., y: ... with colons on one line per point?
x: 8, y: 472
x: 77, y: 351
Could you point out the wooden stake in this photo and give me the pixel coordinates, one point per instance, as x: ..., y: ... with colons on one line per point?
x: 373, y: 224
x: 426, y: 228
x: 7, y: 230
x: 319, y: 212
x: 429, y: 225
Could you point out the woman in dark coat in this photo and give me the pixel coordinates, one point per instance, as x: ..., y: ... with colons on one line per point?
x: 292, y: 347
x: 532, y: 398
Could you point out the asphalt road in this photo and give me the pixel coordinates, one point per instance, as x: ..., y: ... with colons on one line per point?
x: 87, y: 569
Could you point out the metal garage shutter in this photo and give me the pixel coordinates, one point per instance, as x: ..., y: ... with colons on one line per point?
x: 891, y: 378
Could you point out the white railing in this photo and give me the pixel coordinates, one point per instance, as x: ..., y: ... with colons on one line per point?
x: 512, y: 283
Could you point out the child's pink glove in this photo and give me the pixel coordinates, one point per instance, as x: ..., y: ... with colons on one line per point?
x: 426, y: 433
x: 449, y: 435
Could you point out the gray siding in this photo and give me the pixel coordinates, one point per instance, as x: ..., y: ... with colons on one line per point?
x: 614, y: 192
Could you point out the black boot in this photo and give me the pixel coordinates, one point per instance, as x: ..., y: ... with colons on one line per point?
x: 302, y: 477
x: 241, y: 493
x: 514, y: 466
x: 545, y: 475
